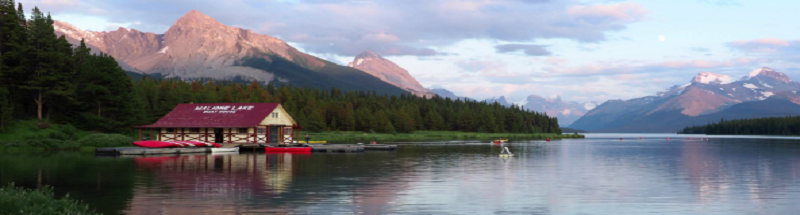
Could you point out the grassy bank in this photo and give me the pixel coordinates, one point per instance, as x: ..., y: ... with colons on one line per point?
x: 14, y: 200
x: 335, y: 136
x: 30, y: 134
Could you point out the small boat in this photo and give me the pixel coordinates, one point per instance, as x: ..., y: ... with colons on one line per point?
x: 173, y: 144
x: 500, y: 141
x: 232, y: 149
x: 287, y: 149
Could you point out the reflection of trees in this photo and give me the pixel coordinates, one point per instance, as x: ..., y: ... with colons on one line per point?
x: 263, y: 182
x: 104, y: 183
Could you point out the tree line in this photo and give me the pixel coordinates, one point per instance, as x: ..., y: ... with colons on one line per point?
x: 43, y: 76
x: 335, y: 110
x: 789, y: 125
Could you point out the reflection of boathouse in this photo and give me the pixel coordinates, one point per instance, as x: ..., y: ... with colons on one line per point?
x: 225, y: 123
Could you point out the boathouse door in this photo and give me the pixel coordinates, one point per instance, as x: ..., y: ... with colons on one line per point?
x: 287, y: 135
x: 218, y: 138
x: 273, y: 135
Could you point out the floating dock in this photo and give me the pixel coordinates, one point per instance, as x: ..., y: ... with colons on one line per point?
x: 149, y: 151
x: 327, y: 148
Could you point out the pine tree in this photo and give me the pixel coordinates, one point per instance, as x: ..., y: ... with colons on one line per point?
x: 315, y: 122
x: 43, y: 77
x: 364, y: 120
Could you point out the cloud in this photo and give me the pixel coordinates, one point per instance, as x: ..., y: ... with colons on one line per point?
x: 392, y: 27
x: 476, y: 65
x: 673, y: 67
x: 622, y: 12
x: 530, y: 50
x: 765, y: 45
x: 700, y: 49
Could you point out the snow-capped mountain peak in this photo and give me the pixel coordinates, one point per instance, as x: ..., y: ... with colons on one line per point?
x: 712, y: 78
x: 767, y: 72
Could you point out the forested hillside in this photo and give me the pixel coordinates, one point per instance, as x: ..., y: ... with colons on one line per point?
x: 43, y: 77
x: 760, y: 126
x: 320, y: 110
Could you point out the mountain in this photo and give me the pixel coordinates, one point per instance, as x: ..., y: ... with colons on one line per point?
x: 389, y: 72
x: 198, y: 46
x: 706, y: 98
x: 500, y: 100
x: 566, y: 112
x: 444, y: 93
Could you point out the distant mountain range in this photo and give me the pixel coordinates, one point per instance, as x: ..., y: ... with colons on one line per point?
x: 198, y: 46
x: 708, y: 97
x: 566, y: 111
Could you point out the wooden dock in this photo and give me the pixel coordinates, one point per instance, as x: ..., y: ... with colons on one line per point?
x: 350, y: 148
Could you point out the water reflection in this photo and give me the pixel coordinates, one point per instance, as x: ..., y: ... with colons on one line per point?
x: 590, y: 176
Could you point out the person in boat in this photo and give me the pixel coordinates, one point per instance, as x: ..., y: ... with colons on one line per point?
x: 308, y: 137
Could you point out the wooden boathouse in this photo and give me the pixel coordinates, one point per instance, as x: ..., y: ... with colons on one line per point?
x: 226, y: 123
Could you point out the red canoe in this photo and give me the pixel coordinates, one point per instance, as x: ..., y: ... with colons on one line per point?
x: 287, y: 149
x: 173, y: 144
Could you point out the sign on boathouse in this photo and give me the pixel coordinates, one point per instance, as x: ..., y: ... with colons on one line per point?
x: 251, y: 123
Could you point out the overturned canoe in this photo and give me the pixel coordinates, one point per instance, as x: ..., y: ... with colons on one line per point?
x: 287, y: 149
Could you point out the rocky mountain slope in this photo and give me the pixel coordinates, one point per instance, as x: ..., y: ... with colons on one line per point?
x: 389, y: 72
x: 708, y: 94
x: 198, y: 46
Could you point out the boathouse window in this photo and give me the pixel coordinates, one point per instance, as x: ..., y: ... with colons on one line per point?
x: 194, y: 130
x: 242, y: 130
x: 170, y: 130
x: 261, y: 130
x: 275, y: 115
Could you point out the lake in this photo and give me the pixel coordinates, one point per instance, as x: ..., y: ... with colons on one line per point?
x: 597, y: 175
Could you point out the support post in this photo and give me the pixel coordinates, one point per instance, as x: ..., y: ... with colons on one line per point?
x: 151, y: 133
x: 206, y: 133
x: 140, y: 134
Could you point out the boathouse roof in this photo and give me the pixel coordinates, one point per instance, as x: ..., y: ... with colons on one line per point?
x: 215, y: 115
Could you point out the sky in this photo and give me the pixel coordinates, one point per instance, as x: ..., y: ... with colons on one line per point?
x: 580, y: 50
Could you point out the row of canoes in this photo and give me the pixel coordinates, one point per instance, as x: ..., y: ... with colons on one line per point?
x: 214, y: 146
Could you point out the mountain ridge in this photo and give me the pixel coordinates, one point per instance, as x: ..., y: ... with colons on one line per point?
x: 707, y: 94
x: 198, y: 46
x: 389, y: 72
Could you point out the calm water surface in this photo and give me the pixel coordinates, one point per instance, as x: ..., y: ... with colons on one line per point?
x: 598, y: 175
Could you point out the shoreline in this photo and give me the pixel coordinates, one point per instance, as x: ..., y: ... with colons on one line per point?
x: 339, y: 136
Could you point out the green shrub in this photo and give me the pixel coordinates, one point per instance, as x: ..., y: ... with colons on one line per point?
x: 105, y: 140
x: 10, y: 143
x: 51, y: 143
x: 14, y: 200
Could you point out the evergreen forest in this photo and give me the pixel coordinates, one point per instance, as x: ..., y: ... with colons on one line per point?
x: 761, y: 126
x: 44, y: 77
